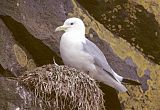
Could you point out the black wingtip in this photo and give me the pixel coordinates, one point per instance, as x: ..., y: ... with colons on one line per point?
x: 128, y: 93
x: 131, y: 82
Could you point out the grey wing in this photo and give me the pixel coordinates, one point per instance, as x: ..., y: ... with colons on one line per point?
x: 99, y: 58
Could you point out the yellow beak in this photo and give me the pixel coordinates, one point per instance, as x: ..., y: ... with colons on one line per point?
x: 61, y: 28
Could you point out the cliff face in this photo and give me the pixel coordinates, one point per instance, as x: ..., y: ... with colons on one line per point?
x: 134, y: 38
x: 126, y: 31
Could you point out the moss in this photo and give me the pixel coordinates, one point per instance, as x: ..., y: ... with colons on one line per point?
x: 138, y: 100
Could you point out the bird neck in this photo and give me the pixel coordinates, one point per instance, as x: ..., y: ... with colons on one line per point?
x: 80, y: 31
x: 75, y: 35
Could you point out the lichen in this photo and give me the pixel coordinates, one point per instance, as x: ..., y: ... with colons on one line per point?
x: 31, y: 64
x: 138, y: 100
x: 153, y: 6
x: 20, y: 55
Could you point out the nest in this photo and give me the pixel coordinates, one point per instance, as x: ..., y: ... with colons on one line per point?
x: 62, y: 88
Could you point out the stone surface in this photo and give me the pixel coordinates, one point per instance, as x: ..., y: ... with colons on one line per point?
x: 14, y: 97
x: 130, y: 21
x: 146, y: 96
x: 7, y: 57
x: 30, y: 24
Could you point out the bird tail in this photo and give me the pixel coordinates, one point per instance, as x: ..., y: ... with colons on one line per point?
x: 130, y: 82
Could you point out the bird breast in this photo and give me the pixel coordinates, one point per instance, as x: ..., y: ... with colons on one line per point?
x: 73, y: 55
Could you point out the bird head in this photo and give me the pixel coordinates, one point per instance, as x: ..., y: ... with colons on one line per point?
x: 72, y: 24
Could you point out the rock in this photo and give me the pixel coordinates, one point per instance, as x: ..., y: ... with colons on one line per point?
x: 30, y: 24
x: 14, y: 97
x: 7, y: 56
x: 135, y: 21
x: 139, y: 22
x: 39, y: 18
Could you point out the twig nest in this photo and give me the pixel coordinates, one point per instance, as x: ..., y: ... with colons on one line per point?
x: 62, y: 88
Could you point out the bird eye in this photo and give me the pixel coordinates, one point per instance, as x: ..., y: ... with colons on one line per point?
x: 72, y: 23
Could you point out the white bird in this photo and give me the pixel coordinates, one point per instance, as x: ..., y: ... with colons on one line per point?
x: 79, y: 52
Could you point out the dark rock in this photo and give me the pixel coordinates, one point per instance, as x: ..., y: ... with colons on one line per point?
x: 14, y: 97
x: 144, y: 79
x: 7, y: 56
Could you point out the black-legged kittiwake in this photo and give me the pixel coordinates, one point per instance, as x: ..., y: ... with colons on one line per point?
x: 79, y: 52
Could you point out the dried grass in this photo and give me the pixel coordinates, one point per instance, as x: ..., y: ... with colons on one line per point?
x: 62, y: 88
